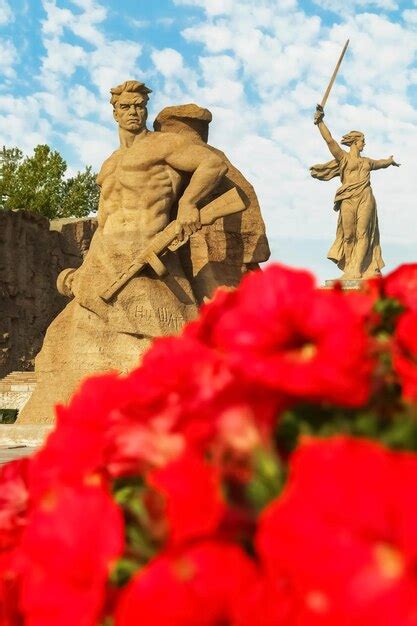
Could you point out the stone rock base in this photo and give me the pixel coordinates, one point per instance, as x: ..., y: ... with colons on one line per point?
x: 345, y: 283
x: 26, y: 435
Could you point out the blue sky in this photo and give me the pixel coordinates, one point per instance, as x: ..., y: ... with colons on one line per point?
x: 259, y: 66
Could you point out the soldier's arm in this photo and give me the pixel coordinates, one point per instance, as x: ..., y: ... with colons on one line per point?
x: 207, y: 170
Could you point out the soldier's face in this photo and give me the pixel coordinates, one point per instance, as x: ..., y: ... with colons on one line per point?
x: 130, y: 112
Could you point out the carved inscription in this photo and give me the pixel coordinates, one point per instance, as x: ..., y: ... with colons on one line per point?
x: 172, y: 319
x: 162, y: 314
x: 143, y: 313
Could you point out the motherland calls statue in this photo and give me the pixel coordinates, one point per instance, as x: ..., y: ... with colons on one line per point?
x: 157, y: 190
x: 356, y: 250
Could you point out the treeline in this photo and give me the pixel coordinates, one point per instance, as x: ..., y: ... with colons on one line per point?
x: 38, y: 183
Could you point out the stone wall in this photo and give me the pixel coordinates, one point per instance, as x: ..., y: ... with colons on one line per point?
x: 76, y: 231
x: 31, y: 257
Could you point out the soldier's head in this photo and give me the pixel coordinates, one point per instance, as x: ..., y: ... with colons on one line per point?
x: 355, y: 137
x: 129, y: 105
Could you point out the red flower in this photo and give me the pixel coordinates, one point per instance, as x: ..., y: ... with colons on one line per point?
x: 14, y: 500
x: 76, y: 448
x: 280, y: 332
x: 172, y: 401
x: 402, y: 285
x: 267, y: 602
x: 71, y: 540
x: 405, y: 354
x: 363, y: 302
x: 202, y: 585
x: 343, y: 535
x: 194, y: 503
x: 184, y: 395
x: 10, y: 568
x: 257, y: 297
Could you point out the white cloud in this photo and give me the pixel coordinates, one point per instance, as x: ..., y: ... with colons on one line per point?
x: 112, y: 63
x: 62, y: 59
x: 92, y: 142
x: 56, y: 19
x: 8, y: 58
x: 212, y: 7
x: 168, y: 62
x: 84, y: 103
x: 160, y: 21
x: 180, y: 81
x: 139, y: 23
x: 53, y: 105
x: 216, y: 37
x: 21, y: 123
x: 83, y: 25
x: 342, y: 7
x: 6, y: 14
x: 165, y: 21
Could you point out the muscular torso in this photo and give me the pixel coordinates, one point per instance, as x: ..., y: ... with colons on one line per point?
x: 138, y: 187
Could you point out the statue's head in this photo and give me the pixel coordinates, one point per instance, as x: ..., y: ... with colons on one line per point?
x: 129, y: 105
x: 355, y: 137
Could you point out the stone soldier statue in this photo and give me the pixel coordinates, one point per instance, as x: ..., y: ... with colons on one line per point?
x: 140, y: 184
x: 220, y: 253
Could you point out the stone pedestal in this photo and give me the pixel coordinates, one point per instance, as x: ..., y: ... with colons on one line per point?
x: 24, y: 436
x: 347, y: 284
x: 18, y: 440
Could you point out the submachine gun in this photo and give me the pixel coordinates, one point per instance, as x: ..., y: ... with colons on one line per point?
x: 226, y: 204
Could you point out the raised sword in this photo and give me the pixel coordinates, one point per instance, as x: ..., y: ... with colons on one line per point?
x: 320, y: 107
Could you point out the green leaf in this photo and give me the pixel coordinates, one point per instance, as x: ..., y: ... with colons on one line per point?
x: 123, y: 571
x: 267, y: 480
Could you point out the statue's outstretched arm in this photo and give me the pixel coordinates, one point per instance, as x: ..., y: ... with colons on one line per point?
x: 333, y: 146
x: 380, y: 164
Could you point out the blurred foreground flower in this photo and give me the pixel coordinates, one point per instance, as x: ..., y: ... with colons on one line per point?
x: 189, y: 493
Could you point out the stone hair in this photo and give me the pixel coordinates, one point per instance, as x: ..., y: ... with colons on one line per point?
x: 350, y: 138
x: 131, y: 86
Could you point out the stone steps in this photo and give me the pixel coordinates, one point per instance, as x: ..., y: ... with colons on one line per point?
x: 20, y: 379
x: 16, y: 389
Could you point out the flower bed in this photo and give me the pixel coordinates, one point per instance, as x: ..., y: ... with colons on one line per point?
x: 258, y: 470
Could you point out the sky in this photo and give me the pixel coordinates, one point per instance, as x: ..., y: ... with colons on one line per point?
x: 260, y: 66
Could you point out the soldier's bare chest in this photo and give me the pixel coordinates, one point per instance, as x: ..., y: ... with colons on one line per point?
x: 142, y: 158
x: 138, y: 162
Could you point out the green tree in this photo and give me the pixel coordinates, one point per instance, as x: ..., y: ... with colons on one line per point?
x: 10, y: 158
x: 81, y: 194
x: 37, y: 183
